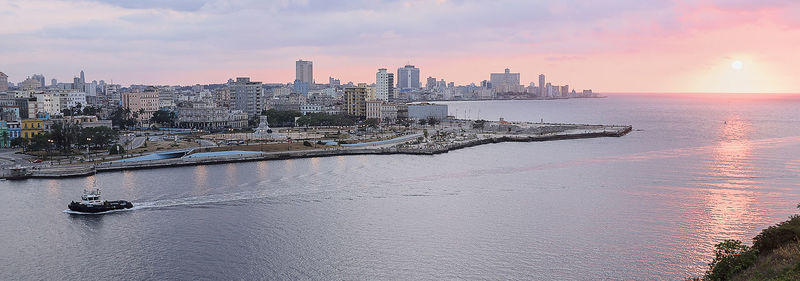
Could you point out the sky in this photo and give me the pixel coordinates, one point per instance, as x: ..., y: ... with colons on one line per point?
x: 608, y: 46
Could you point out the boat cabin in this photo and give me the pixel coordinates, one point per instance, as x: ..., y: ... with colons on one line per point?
x: 91, y: 198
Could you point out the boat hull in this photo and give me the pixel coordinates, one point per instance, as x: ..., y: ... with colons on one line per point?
x: 106, y: 206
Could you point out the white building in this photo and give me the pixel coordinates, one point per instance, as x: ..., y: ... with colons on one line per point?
x: 45, y: 103
x: 374, y: 109
x: 72, y: 99
x: 310, y: 108
x: 384, y: 85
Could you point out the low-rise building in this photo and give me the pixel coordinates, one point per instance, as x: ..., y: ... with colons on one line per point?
x: 87, y: 121
x: 388, y: 112
x: 427, y: 110
x: 374, y: 109
x: 32, y: 127
x: 5, y: 135
x: 14, y: 129
x: 310, y: 108
x: 210, y: 117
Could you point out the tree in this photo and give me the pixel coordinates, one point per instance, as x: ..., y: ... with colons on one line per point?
x: 433, y: 121
x: 730, y: 257
x: 372, y: 122
x: 163, y: 117
x: 90, y: 110
x: 40, y: 141
x: 116, y: 149
x: 478, y: 124
x: 19, y: 142
x: 4, y: 138
x: 65, y: 135
x: 98, y: 137
x: 423, y: 122
x: 281, y: 118
x: 122, y: 118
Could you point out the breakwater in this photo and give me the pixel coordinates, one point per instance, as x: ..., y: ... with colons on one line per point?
x: 428, y: 149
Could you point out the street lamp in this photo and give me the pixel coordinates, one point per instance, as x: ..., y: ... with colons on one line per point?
x: 49, y: 147
x: 88, y: 143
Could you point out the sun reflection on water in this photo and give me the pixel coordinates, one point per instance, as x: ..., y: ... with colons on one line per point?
x: 730, y: 182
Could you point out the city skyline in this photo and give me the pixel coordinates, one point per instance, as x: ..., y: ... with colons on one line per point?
x: 611, y: 46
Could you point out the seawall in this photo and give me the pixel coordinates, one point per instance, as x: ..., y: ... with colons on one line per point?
x: 88, y: 169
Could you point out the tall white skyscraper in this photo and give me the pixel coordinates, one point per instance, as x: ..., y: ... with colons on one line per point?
x: 384, y: 85
x: 304, y: 72
x: 408, y: 77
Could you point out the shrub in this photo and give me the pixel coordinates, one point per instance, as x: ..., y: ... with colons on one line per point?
x: 778, y: 235
x: 730, y: 258
x: 116, y: 149
x: 306, y: 143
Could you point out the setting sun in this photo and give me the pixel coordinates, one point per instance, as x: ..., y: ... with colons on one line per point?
x: 737, y: 65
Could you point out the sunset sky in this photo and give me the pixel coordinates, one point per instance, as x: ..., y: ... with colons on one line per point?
x: 608, y: 46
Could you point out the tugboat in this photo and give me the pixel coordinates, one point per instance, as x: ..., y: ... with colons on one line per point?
x: 91, y: 203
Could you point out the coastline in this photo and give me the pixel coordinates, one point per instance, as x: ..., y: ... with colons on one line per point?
x: 90, y: 169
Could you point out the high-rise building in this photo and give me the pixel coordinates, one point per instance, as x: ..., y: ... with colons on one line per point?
x: 76, y: 83
x: 3, y: 82
x: 247, y: 96
x: 542, y: 88
x: 384, y: 85
x: 505, y: 82
x: 430, y: 83
x: 355, y: 99
x: 83, y: 83
x: 548, y: 90
x: 408, y: 77
x: 304, y: 72
x: 40, y: 78
x: 53, y: 82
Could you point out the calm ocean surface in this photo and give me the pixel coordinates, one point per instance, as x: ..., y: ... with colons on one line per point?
x: 649, y: 205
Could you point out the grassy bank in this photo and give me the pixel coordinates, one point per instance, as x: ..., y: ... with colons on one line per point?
x: 775, y: 255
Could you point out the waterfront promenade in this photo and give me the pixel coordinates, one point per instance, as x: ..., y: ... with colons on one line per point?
x: 444, y: 140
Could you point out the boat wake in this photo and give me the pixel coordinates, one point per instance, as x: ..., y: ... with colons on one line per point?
x: 187, y: 201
